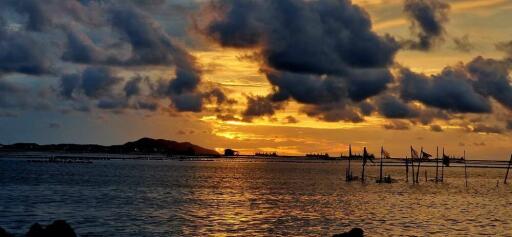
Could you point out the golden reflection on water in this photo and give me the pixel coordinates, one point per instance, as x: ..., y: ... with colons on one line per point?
x: 312, y: 199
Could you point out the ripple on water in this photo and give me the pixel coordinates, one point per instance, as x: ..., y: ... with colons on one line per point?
x: 161, y: 198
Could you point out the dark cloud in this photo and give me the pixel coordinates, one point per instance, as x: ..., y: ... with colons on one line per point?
x: 366, y: 108
x: 313, y: 89
x: 506, y: 47
x: 509, y: 124
x: 20, y: 52
x: 133, y: 86
x: 290, y: 33
x: 37, y: 17
x: 227, y: 117
x: 463, y: 44
x: 450, y: 90
x: 492, y: 79
x: 81, y: 49
x: 436, y: 128
x: 317, y: 53
x: 428, y: 18
x: 259, y: 106
x: 333, y: 113
x: 483, y: 128
x: 291, y: 119
x: 393, y: 107
x: 397, y: 125
x: 98, y: 81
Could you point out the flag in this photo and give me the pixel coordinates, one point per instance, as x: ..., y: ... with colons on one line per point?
x: 367, y: 156
x: 414, y: 153
x: 446, y: 160
x: 426, y: 155
x: 385, y: 154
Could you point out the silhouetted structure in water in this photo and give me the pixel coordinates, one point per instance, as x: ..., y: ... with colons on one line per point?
x: 508, y: 168
x: 366, y: 157
x: 231, y: 152
x: 382, y: 178
x: 348, y: 173
x: 318, y: 155
x: 269, y: 154
x: 355, y: 232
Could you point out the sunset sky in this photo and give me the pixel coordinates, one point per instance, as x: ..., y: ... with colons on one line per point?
x: 260, y: 75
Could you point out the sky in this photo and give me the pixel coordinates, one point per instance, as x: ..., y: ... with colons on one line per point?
x: 290, y: 76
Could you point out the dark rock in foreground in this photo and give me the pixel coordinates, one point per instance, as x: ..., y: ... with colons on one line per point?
x: 355, y: 232
x: 58, y: 228
x: 4, y: 233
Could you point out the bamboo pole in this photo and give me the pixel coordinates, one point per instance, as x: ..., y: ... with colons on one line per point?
x: 381, y: 151
x: 442, y: 169
x: 437, y: 163
x: 349, y: 171
x: 508, y: 168
x: 412, y: 167
x: 465, y: 170
x: 406, y: 170
x: 419, y: 164
x: 364, y: 164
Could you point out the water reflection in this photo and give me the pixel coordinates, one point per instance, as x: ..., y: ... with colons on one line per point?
x: 161, y: 198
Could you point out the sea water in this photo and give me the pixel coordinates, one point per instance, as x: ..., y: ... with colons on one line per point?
x: 244, y: 197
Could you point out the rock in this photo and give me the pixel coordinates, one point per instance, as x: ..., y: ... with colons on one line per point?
x: 355, y: 232
x: 57, y: 228
x: 3, y: 233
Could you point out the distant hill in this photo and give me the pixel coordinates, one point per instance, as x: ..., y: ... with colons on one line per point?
x: 143, y: 145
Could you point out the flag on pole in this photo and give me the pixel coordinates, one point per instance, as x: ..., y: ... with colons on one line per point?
x: 446, y: 160
x: 414, y: 154
x: 426, y: 155
x: 385, y: 154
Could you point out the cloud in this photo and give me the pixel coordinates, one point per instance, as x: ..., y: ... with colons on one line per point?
x: 450, y: 90
x: 259, y: 106
x: 482, y: 128
x: 317, y: 53
x: 291, y: 119
x: 509, y: 124
x: 393, y: 107
x: 506, y: 47
x: 20, y: 52
x: 491, y: 78
x: 18, y: 96
x: 396, y: 125
x: 436, y: 128
x: 333, y: 113
x: 427, y: 20
x: 463, y: 44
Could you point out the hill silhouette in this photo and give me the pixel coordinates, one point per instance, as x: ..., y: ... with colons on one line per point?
x: 143, y: 145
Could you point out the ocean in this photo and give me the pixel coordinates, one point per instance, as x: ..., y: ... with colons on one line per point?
x: 249, y: 197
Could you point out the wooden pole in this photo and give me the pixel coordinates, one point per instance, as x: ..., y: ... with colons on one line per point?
x: 465, y: 169
x: 349, y: 172
x: 381, y: 151
x: 419, y: 164
x: 508, y: 168
x: 426, y: 178
x: 406, y: 170
x: 437, y: 163
x: 412, y: 167
x: 364, y: 164
x: 442, y: 169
